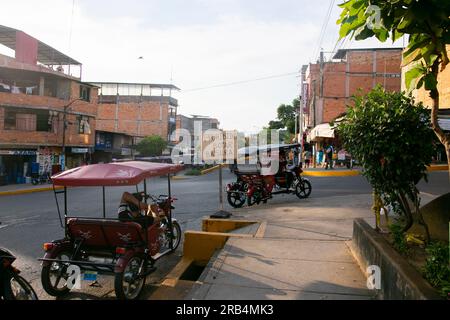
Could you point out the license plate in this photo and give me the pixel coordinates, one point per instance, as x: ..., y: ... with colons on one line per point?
x: 90, y: 276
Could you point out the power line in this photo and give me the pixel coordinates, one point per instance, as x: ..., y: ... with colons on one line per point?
x: 71, y: 26
x: 242, y: 82
x: 324, y: 28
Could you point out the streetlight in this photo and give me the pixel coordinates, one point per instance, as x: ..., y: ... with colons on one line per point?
x: 63, y: 154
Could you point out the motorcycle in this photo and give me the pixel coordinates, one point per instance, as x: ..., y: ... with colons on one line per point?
x: 127, y: 250
x: 254, y: 188
x: 12, y: 285
x: 41, y: 179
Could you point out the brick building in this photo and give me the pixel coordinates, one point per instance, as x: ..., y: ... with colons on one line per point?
x: 128, y: 112
x: 329, y: 86
x: 38, y: 89
x: 444, y: 103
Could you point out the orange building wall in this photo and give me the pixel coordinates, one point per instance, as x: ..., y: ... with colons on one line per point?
x: 135, y: 119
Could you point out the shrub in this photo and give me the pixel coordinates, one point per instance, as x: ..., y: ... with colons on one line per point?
x: 437, y: 269
x: 193, y: 172
x: 399, y: 239
x: 392, y: 138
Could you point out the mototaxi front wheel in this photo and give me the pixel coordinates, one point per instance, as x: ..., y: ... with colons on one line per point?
x: 175, y: 235
x: 303, y: 188
x: 236, y: 199
x: 17, y: 288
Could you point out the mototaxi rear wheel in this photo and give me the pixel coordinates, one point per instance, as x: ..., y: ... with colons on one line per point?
x: 128, y: 284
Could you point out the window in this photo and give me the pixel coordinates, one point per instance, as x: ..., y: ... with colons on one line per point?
x: 26, y: 121
x: 85, y: 93
x: 83, y: 125
x: 10, y: 120
x: 43, y: 121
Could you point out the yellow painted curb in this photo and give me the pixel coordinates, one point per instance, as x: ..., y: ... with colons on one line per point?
x: 221, y: 225
x: 26, y: 191
x: 206, y: 171
x: 177, y: 178
x: 350, y: 173
x: 438, y: 167
x: 346, y: 173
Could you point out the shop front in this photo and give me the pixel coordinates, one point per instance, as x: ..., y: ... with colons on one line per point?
x: 77, y: 156
x: 48, y: 161
x: 16, y: 165
x: 319, y: 137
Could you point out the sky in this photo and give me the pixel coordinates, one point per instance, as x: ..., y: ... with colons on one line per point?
x: 195, y: 44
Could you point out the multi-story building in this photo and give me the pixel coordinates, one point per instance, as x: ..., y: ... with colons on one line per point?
x: 191, y: 124
x: 331, y: 85
x: 38, y: 91
x: 129, y: 112
x: 328, y: 87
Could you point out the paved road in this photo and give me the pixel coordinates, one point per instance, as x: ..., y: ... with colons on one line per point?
x: 30, y: 220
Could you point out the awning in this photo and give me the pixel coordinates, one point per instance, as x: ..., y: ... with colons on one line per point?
x: 321, y: 131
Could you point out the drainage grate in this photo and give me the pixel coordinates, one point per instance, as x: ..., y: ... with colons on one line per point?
x: 193, y: 272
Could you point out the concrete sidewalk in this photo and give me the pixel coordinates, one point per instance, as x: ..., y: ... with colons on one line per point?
x: 14, y: 189
x: 301, y: 252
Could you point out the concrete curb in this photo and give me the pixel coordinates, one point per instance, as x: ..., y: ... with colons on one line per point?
x: 26, y: 191
x: 399, y: 280
x: 200, y: 248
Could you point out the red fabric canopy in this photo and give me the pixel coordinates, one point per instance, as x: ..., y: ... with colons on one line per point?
x: 113, y: 174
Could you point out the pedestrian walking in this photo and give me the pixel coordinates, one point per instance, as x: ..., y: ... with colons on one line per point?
x: 329, y: 151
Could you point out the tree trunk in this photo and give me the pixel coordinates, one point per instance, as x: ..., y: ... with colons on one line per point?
x: 407, y: 211
x: 442, y: 136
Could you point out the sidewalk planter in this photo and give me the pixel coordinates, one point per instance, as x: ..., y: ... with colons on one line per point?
x: 399, y: 280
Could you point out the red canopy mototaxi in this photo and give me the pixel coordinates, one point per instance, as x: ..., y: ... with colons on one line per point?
x: 113, y: 174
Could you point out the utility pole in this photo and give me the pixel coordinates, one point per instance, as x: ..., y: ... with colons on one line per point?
x: 63, y: 154
x: 321, y: 74
x: 303, y: 101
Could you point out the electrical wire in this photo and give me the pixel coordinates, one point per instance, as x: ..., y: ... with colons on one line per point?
x: 242, y: 82
x: 324, y: 28
x: 71, y: 26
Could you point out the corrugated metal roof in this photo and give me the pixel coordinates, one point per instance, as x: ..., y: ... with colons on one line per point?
x: 46, y: 54
x: 444, y: 123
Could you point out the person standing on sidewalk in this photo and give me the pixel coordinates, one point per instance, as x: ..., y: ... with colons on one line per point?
x: 307, y: 157
x: 329, y: 150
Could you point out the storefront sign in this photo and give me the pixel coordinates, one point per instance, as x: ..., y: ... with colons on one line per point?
x: 17, y: 153
x: 126, y: 152
x: 80, y: 150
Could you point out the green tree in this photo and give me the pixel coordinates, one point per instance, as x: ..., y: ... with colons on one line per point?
x: 286, y: 117
x: 427, y: 24
x: 392, y: 138
x: 151, y: 146
x: 275, y: 124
